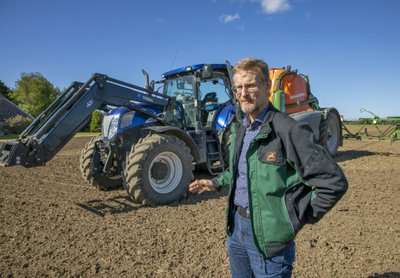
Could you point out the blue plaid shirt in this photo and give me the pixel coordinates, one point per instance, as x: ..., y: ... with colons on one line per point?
x: 252, y: 129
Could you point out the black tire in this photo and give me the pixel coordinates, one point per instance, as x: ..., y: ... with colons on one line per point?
x: 329, y: 130
x: 158, y: 170
x: 85, y: 161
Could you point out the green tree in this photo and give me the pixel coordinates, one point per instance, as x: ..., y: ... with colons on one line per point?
x: 5, y: 91
x: 95, y: 121
x: 16, y: 124
x: 33, y: 93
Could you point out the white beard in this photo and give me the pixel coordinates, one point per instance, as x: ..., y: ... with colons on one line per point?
x: 250, y: 108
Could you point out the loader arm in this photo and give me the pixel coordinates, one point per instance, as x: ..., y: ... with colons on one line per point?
x: 69, y: 113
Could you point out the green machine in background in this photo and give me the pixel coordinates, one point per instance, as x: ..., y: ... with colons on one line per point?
x: 374, y: 128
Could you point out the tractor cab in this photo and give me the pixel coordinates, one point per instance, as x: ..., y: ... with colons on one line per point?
x: 201, y: 91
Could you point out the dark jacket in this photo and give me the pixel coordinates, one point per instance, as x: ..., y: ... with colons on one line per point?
x: 292, y: 180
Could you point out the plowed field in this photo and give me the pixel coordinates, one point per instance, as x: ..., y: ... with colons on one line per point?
x: 52, y: 224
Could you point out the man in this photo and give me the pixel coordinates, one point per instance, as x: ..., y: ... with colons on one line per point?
x: 280, y: 179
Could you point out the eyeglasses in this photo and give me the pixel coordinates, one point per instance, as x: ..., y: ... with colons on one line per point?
x: 250, y: 88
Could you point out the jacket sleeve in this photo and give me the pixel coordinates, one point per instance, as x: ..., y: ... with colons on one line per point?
x: 317, y: 169
x: 222, y: 180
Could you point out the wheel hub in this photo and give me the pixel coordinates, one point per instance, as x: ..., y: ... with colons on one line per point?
x: 165, y: 173
x: 159, y: 171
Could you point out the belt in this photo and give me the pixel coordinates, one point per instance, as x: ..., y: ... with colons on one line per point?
x: 243, y: 212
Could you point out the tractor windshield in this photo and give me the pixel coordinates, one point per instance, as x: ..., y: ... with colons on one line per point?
x: 181, y: 87
x: 212, y: 93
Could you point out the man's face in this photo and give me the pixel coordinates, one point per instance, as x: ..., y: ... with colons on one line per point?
x: 251, y: 91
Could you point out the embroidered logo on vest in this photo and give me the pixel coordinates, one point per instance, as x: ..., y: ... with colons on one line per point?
x: 271, y: 156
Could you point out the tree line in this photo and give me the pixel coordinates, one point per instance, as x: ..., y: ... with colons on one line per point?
x: 33, y: 93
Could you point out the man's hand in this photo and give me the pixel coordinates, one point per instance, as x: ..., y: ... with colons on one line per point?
x: 200, y: 186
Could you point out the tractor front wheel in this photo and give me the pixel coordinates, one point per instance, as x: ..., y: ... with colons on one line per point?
x: 158, y: 170
x: 85, y: 163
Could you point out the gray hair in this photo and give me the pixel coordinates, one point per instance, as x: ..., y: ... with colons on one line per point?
x: 249, y: 63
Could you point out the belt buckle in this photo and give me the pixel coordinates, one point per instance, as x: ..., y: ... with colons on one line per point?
x: 243, y: 211
x: 247, y: 213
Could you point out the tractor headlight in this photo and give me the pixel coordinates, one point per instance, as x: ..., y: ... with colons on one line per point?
x: 110, y: 126
x: 113, y: 129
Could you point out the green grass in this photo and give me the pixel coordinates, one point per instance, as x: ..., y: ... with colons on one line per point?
x: 79, y: 134
x: 86, y: 134
x: 9, y: 137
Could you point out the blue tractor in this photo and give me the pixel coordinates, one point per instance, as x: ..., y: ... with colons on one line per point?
x: 152, y: 139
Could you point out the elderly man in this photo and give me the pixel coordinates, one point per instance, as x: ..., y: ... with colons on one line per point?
x: 279, y: 179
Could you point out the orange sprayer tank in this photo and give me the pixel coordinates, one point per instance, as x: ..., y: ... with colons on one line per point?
x: 293, y: 85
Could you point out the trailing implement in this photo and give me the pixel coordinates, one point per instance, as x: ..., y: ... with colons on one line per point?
x: 291, y: 93
x: 374, y: 128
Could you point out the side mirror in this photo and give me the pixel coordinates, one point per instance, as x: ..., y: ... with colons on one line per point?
x: 210, y: 97
x: 207, y: 71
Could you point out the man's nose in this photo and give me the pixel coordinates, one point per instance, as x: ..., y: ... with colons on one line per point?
x: 244, y: 92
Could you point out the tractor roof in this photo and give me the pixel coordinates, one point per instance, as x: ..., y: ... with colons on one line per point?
x: 191, y: 68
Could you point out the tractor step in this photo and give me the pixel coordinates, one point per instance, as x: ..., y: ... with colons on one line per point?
x: 215, y: 163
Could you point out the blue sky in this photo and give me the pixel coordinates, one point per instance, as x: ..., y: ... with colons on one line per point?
x: 350, y: 48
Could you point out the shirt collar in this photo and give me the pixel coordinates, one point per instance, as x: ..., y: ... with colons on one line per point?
x: 258, y: 121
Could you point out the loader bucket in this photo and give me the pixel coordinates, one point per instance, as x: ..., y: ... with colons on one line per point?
x: 17, y: 153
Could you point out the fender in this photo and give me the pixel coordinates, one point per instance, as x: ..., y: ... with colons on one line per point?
x: 312, y: 118
x: 224, y: 116
x: 170, y: 130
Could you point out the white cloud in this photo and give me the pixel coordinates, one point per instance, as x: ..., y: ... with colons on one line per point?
x: 274, y: 6
x: 227, y: 18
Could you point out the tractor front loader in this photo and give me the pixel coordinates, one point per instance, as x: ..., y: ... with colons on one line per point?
x: 70, y: 112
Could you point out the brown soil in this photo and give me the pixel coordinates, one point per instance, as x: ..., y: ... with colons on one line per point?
x: 53, y: 224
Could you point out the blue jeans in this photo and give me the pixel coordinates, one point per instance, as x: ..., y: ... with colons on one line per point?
x: 245, y: 259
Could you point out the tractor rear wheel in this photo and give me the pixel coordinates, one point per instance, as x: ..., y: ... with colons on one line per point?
x: 329, y: 133
x: 85, y: 162
x: 158, y: 170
